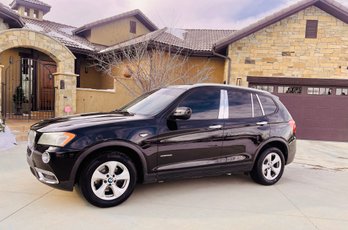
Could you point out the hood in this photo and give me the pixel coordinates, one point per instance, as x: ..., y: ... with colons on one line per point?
x: 70, y: 123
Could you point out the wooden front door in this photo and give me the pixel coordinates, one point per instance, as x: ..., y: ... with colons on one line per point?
x: 46, y: 85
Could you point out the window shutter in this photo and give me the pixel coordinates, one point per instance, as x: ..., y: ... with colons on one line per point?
x: 312, y: 29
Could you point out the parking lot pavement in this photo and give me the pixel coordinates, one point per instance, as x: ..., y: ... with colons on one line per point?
x: 309, y: 196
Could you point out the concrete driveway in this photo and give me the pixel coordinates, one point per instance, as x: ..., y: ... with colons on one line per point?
x: 313, y: 194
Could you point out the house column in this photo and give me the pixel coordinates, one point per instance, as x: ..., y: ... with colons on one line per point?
x: 65, y: 94
x: 1, y: 84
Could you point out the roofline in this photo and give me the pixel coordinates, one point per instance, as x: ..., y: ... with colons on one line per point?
x: 333, y: 8
x: 12, y: 15
x: 136, y: 13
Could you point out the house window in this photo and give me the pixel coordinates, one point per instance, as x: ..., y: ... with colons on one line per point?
x: 312, y: 29
x: 268, y: 88
x: 290, y: 89
x: 133, y: 27
x: 319, y: 91
x: 342, y: 92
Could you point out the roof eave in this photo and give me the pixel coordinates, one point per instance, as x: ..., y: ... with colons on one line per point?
x: 321, y: 4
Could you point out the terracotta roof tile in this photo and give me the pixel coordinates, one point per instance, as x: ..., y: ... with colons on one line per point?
x: 195, y: 40
x: 62, y: 33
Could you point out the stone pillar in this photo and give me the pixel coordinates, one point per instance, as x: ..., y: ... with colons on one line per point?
x: 1, y: 84
x: 65, y: 94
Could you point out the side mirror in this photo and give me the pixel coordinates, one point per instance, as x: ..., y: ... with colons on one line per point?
x: 182, y: 113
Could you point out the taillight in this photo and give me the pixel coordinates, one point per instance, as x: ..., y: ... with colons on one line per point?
x: 292, y: 124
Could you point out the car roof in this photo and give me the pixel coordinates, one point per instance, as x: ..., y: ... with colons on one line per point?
x: 187, y: 87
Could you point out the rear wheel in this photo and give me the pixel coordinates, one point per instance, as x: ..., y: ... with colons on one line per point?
x: 108, y: 180
x: 269, y: 167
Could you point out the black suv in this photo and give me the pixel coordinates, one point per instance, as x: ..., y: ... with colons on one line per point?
x: 174, y: 132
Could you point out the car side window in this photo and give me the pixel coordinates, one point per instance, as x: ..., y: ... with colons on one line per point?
x: 268, y: 104
x: 204, y: 102
x: 239, y: 104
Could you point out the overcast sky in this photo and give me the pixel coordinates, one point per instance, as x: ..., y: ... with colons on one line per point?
x: 209, y: 14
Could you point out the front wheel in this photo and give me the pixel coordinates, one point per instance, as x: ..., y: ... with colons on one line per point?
x: 269, y: 167
x: 108, y: 180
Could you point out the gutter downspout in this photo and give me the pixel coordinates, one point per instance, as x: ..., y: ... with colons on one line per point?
x: 229, y: 64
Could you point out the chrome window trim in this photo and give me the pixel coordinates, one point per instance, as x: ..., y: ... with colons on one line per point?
x: 263, y: 112
x: 223, y: 109
x: 252, y: 106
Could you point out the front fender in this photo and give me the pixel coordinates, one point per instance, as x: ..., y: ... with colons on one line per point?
x: 94, y: 148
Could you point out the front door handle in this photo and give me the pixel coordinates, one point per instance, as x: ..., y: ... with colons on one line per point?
x: 261, y: 123
x: 215, y: 127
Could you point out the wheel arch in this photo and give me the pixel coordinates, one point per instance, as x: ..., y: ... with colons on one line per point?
x: 279, y: 143
x: 129, y: 149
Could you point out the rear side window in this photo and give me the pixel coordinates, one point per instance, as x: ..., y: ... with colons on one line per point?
x: 268, y: 104
x: 239, y: 104
x: 204, y: 102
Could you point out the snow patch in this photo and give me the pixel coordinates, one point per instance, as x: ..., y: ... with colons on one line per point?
x: 7, y: 139
x: 67, y: 30
x: 35, y: 27
x: 67, y: 39
x: 179, y: 33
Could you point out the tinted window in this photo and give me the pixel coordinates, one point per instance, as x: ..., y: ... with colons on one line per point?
x: 204, y: 102
x: 268, y: 104
x: 257, y: 107
x: 239, y: 104
x: 154, y: 102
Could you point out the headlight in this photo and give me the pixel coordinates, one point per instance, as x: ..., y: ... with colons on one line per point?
x: 56, y: 139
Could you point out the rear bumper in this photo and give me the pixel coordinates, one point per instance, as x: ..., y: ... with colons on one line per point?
x: 291, y: 150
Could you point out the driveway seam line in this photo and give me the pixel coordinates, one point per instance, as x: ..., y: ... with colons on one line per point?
x: 308, y: 218
x: 31, y: 202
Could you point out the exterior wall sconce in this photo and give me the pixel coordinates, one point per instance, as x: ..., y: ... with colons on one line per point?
x: 10, y: 60
x: 86, y: 69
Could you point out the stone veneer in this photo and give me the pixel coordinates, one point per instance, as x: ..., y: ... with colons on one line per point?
x: 281, y: 49
x: 63, y: 57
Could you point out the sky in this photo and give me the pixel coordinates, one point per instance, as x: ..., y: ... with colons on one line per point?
x: 186, y: 14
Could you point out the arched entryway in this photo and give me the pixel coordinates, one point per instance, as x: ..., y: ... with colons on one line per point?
x: 63, y: 74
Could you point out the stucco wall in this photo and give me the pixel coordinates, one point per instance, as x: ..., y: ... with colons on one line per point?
x: 91, y: 78
x: 282, y: 49
x: 89, y: 100
x: 115, y: 32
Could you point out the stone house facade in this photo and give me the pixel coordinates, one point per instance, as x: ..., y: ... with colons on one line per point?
x: 300, y: 54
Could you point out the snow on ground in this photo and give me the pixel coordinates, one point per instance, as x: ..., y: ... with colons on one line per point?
x: 7, y: 139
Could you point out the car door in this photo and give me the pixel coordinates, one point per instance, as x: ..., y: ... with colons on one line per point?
x: 195, y: 142
x: 245, y: 129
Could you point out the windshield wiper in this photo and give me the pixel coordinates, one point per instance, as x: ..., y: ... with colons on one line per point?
x: 123, y: 112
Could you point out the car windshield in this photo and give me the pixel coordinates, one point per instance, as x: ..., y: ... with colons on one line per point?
x: 154, y: 102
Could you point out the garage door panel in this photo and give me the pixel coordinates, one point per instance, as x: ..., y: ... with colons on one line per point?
x: 319, y: 117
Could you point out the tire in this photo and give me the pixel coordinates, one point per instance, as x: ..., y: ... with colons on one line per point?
x: 108, y: 180
x: 269, y: 167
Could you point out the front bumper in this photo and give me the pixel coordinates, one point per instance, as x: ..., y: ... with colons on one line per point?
x: 48, y: 173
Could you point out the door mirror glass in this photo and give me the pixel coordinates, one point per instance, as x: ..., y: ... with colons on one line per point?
x: 182, y: 113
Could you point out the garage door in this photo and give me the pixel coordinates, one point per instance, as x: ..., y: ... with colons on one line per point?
x: 319, y: 106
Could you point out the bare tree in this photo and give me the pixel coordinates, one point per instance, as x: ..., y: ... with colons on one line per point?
x: 143, y: 67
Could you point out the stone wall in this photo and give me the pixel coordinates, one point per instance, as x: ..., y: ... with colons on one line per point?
x: 282, y: 49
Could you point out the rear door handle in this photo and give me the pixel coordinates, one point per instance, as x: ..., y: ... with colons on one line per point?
x: 215, y: 127
x: 261, y: 123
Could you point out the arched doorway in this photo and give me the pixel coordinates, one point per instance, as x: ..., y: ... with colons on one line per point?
x: 61, y: 78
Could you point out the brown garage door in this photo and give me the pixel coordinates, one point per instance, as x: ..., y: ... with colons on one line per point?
x: 319, y: 106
